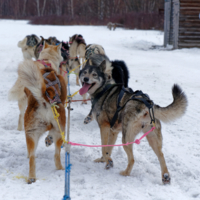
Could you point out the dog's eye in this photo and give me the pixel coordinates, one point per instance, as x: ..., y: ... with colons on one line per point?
x: 94, y: 75
x: 85, y: 72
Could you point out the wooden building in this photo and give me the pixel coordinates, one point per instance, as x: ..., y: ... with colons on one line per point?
x: 182, y: 23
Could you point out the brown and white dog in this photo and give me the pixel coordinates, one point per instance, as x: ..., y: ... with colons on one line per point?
x: 51, y: 54
x: 39, y: 46
x: 28, y: 45
x: 39, y: 118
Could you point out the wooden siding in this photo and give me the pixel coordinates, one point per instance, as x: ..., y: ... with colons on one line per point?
x: 189, y: 24
x: 182, y: 23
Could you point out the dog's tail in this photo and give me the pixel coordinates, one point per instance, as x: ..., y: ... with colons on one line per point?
x: 175, y: 110
x: 31, y: 78
x: 120, y: 72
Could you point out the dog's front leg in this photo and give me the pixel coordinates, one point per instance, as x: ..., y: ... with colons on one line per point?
x: 89, y: 118
x: 58, y: 143
x: 105, y: 132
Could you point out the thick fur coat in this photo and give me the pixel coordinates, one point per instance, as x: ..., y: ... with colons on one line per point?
x: 131, y: 120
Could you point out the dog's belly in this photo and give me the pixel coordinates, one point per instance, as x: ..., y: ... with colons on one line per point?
x: 44, y: 114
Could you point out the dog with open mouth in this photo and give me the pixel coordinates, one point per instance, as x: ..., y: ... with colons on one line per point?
x: 116, y: 72
x: 117, y: 109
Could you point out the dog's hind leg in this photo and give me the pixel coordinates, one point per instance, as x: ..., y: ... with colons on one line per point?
x: 31, y: 141
x: 58, y: 143
x: 22, y: 104
x: 155, y: 141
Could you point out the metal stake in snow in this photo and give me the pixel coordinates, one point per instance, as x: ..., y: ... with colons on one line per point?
x: 67, y: 151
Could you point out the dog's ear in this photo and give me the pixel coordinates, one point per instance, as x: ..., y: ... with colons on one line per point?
x: 102, y: 66
x: 89, y: 62
x: 88, y: 46
x: 45, y: 45
x: 59, y: 47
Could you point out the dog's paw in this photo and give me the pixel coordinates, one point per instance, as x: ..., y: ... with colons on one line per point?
x: 87, y: 120
x: 48, y: 140
x: 20, y: 128
x: 166, y: 179
x: 84, y: 102
x: 100, y: 160
x: 60, y: 168
x: 124, y: 173
x: 109, y: 164
x: 31, y: 180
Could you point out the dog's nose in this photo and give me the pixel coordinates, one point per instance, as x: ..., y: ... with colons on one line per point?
x: 86, y: 79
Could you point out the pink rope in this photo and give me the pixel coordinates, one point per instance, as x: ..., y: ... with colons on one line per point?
x: 137, y: 141
x: 65, y: 72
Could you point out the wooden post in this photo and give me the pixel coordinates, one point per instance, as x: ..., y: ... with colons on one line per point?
x: 176, y: 9
x: 167, y: 22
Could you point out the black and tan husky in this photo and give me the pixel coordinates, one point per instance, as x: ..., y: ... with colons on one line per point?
x: 116, y: 72
x: 134, y: 116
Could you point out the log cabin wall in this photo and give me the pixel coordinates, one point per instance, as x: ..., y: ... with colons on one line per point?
x: 182, y: 23
x: 189, y: 24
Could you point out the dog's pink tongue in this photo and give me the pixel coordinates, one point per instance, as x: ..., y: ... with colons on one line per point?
x: 84, y: 89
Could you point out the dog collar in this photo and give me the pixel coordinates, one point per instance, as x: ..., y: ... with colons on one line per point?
x: 46, y: 64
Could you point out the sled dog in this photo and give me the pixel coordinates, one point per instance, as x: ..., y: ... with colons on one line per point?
x: 91, y: 49
x: 42, y: 87
x: 116, y: 72
x: 112, y: 26
x: 77, y: 47
x: 132, y: 116
x: 28, y: 45
x: 50, y: 54
x: 39, y: 47
x: 69, y: 64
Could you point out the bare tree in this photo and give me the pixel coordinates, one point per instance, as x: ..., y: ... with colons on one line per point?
x: 43, y: 7
x: 24, y: 7
x: 72, y: 8
x: 58, y: 6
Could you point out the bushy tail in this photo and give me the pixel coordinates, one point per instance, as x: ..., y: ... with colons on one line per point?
x: 120, y: 72
x: 31, y: 77
x: 176, y: 109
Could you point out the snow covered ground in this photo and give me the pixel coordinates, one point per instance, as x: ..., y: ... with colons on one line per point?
x: 153, y: 71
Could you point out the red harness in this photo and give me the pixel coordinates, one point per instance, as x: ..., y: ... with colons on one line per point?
x: 46, y: 64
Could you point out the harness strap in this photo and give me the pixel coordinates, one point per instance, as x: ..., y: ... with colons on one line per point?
x: 114, y: 119
x: 106, y: 88
x: 44, y: 63
x: 145, y: 99
x: 56, y: 98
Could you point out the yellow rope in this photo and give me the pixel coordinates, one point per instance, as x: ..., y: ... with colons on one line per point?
x: 75, y: 93
x: 56, y: 115
x: 77, y: 67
